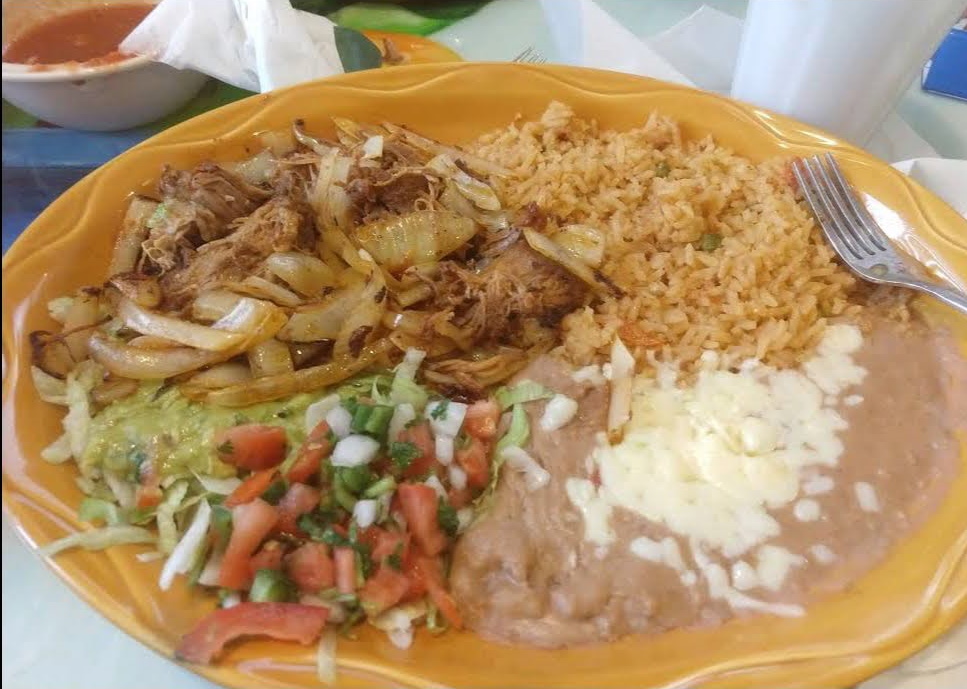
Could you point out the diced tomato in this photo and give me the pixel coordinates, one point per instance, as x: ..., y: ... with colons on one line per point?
x: 420, y: 435
x: 481, y: 420
x: 252, y: 446
x: 298, y: 500
x: 148, y: 493
x: 473, y: 459
x: 251, y: 488
x: 269, y: 556
x: 316, y: 448
x: 369, y: 536
x: 310, y: 567
x: 383, y: 590
x: 283, y: 621
x: 412, y: 571
x: 419, y: 505
x: 387, y: 544
x: 430, y: 570
x: 460, y: 498
x: 345, y: 561
x: 251, y: 523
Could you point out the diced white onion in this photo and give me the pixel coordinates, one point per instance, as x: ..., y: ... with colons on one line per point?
x: 589, y: 374
x: 400, y: 617
x: 354, y: 451
x: 317, y: 411
x: 186, y: 551
x: 458, y: 477
x: 402, y: 415
x: 464, y: 518
x: 326, y: 657
x: 231, y: 600
x: 337, y: 613
x: 622, y: 375
x: 558, y: 412
x: 535, y: 476
x: 218, y: 486
x: 373, y: 147
x: 340, y: 421
x: 364, y: 512
x: 401, y: 638
x: 434, y: 483
x: 209, y: 574
x: 451, y: 418
x: 444, y: 449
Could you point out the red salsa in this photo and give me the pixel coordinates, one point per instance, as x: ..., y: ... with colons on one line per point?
x: 85, y: 35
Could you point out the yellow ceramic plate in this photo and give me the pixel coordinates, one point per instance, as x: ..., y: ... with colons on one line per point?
x: 917, y: 593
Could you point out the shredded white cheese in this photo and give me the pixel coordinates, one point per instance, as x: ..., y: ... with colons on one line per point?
x: 713, y: 460
x: 822, y: 554
x: 806, y: 510
x: 817, y: 485
x: 866, y: 496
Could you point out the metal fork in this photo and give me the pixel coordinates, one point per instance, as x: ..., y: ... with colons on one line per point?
x: 530, y: 56
x: 854, y: 234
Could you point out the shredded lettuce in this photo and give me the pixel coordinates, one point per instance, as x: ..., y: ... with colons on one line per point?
x: 58, y: 451
x: 326, y: 657
x: 99, y: 539
x: 123, y: 491
x: 218, y: 486
x: 95, y: 510
x: 525, y: 391
x: 519, y: 431
x: 165, y: 516
x: 190, y: 548
x: 404, y: 388
x: 49, y: 388
x: 77, y: 422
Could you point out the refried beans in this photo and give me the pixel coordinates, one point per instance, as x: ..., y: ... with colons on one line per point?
x: 524, y: 573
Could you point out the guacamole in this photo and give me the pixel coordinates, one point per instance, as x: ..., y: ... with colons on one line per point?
x: 160, y: 424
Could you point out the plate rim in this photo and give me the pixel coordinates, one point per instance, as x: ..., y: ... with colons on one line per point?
x: 241, y: 115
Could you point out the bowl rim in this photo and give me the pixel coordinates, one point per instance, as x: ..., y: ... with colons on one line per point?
x: 71, y: 71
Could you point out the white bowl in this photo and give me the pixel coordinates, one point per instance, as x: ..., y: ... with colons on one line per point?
x: 105, y: 97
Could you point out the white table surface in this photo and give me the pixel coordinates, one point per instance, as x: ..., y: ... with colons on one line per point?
x: 52, y: 640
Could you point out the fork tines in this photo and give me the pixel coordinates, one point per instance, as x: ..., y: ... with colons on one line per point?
x: 530, y: 56
x: 843, y: 217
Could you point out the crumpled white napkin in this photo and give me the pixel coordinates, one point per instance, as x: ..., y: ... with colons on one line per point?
x: 257, y: 45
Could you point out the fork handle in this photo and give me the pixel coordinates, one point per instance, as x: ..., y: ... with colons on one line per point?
x: 953, y: 297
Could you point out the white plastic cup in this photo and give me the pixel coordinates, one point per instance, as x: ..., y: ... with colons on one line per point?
x: 841, y: 65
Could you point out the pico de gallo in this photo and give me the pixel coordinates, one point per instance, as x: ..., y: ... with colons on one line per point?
x: 314, y: 514
x: 358, y: 522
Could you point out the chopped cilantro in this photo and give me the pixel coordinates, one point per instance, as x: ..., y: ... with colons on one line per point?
x: 662, y: 169
x: 275, y: 491
x: 226, y: 448
x: 440, y: 410
x: 317, y: 524
x: 447, y: 518
x: 284, y: 413
x: 395, y: 559
x: 403, y: 454
x: 137, y: 456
